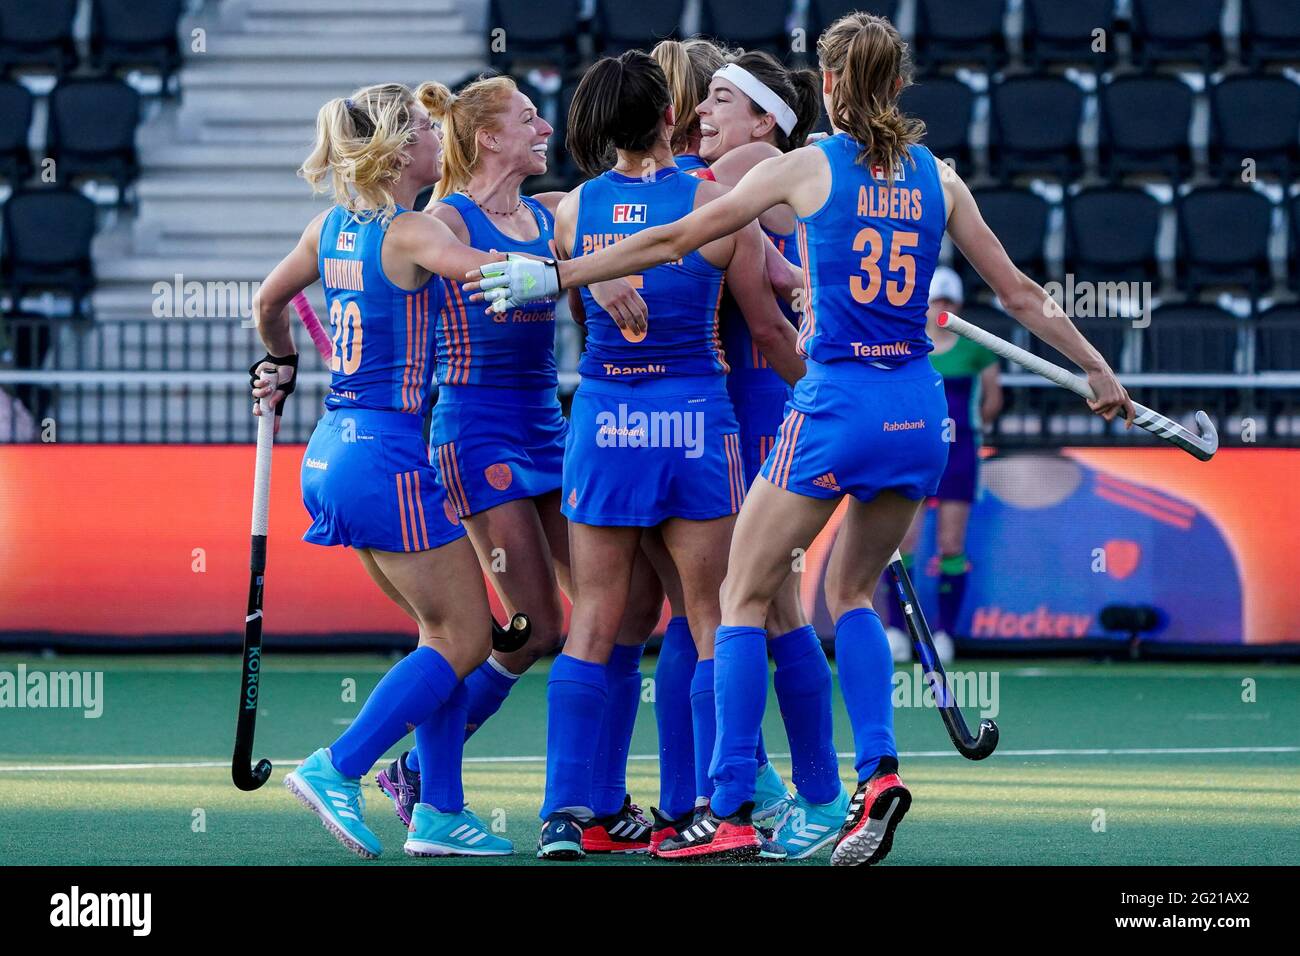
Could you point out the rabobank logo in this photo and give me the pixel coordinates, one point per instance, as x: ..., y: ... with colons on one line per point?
x: 630, y: 213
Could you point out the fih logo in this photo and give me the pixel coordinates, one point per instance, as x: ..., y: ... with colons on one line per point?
x: 74, y: 908
x: 347, y: 242
x: 630, y: 212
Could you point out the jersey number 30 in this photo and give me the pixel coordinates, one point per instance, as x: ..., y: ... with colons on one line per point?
x: 897, y: 291
x: 347, y: 337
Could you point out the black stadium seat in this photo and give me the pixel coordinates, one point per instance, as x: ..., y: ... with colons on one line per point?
x: 46, y: 236
x: 528, y: 37
x: 1178, y: 31
x: 1145, y: 126
x: 15, y: 121
x: 37, y: 33
x: 1106, y: 336
x: 1018, y: 217
x: 822, y: 13
x: 92, y: 128
x: 1255, y: 117
x: 623, y: 25
x: 991, y: 319
x: 1279, y: 339
x: 1057, y: 32
x: 1110, y: 235
x: 1190, y: 337
x: 946, y: 105
x: 1293, y: 215
x: 951, y: 32
x: 137, y: 34
x: 1270, y: 31
x: 753, y: 25
x: 1034, y: 127
x: 1223, y: 234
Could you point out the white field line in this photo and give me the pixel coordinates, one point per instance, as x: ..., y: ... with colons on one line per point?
x: 911, y: 754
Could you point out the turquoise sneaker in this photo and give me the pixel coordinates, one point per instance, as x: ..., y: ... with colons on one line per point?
x: 770, y: 795
x: 337, y: 800
x: 806, y: 827
x: 452, y: 834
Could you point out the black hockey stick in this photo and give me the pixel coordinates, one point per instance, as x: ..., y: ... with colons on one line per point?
x: 969, y: 746
x: 246, y: 776
x: 507, y: 641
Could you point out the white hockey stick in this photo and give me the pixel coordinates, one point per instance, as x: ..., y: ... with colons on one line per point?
x: 1202, y: 446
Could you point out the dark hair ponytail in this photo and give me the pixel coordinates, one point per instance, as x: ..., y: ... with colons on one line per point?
x: 619, y: 104
x: 798, y: 89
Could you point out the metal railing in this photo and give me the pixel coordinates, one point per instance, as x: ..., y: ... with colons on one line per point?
x: 186, y: 381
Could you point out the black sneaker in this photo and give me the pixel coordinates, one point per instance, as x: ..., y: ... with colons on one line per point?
x: 875, y: 811
x: 561, y: 838
x: 624, y: 832
x: 663, y: 827
x: 402, y: 786
x: 732, y: 838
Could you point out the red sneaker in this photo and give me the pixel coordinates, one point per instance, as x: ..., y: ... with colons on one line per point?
x: 732, y: 838
x: 665, y: 827
x: 624, y: 832
x: 875, y: 811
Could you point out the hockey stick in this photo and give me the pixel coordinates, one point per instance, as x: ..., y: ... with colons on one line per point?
x: 247, y: 777
x: 969, y: 746
x: 1202, y: 446
x: 505, y: 640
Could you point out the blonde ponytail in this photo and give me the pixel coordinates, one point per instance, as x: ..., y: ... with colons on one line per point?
x: 689, y: 67
x: 462, y: 115
x: 872, y: 65
x: 357, y: 156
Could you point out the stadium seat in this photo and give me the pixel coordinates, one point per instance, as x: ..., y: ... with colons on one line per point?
x: 1018, y: 217
x: 551, y: 39
x: 991, y: 319
x: 1107, y: 337
x: 46, y: 236
x: 1279, y: 339
x: 1145, y: 126
x: 1223, y: 234
x: 136, y: 33
x: 822, y: 13
x: 753, y: 25
x: 37, y: 34
x: 15, y: 121
x: 1110, y: 235
x: 1191, y: 338
x: 1034, y: 127
x: 1293, y: 215
x: 1270, y: 31
x: 952, y: 32
x: 1178, y: 31
x: 92, y: 128
x: 946, y: 105
x: 1255, y: 117
x: 1056, y: 32
x: 623, y: 25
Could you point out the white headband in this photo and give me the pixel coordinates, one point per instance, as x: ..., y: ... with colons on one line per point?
x: 761, y: 94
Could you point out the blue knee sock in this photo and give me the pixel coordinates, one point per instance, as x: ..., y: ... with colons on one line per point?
x: 418, y: 684
x: 704, y: 725
x: 760, y: 752
x: 442, y: 740
x: 740, y: 679
x: 575, y: 704
x: 609, y: 782
x: 488, y: 684
x: 866, y: 675
x: 673, y: 673
x: 803, y: 691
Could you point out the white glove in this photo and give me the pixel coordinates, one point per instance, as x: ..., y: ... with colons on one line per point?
x: 518, y: 281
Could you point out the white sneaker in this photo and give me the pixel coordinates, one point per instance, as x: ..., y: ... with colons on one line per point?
x: 943, y: 646
x: 900, y: 645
